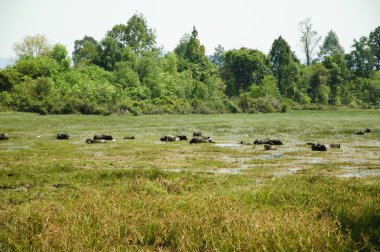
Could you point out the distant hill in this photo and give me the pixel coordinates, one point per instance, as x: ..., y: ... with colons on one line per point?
x: 4, y: 62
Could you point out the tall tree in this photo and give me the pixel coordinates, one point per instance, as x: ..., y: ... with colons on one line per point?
x: 330, y: 46
x: 33, y: 46
x: 59, y: 54
x: 284, y: 66
x: 243, y: 68
x: 309, y: 39
x: 361, y: 60
x: 374, y: 43
x: 85, y: 51
x: 218, y: 57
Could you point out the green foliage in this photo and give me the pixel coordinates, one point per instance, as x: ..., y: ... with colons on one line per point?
x: 284, y: 66
x: 374, y: 44
x: 125, y: 71
x: 243, y: 68
x: 330, y: 46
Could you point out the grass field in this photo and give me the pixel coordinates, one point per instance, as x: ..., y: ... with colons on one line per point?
x: 143, y: 194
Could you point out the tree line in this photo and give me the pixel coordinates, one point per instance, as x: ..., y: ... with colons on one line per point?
x: 127, y: 72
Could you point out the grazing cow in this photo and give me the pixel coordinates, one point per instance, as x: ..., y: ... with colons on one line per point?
x: 202, y: 139
x: 62, y: 136
x: 335, y: 146
x: 91, y: 141
x: 359, y: 133
x: 268, y: 141
x: 129, y: 137
x: 246, y: 143
x: 182, y: 137
x: 368, y: 130
x: 4, y: 136
x: 169, y: 139
x: 269, y: 147
x: 197, y: 134
x: 318, y: 147
x: 104, y: 137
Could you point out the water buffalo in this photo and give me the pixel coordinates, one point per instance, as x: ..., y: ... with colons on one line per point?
x: 62, y: 136
x: 197, y: 134
x: 268, y: 141
x: 359, y: 133
x: 335, y: 146
x: 246, y: 143
x: 368, y: 130
x: 91, y: 141
x: 104, y: 137
x: 269, y: 147
x: 182, y: 137
x: 169, y: 139
x: 129, y: 137
x: 4, y: 136
x: 202, y: 139
x: 318, y: 147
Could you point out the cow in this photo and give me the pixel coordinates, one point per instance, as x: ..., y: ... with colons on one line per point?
x: 129, y: 137
x: 197, y: 134
x: 359, y: 133
x: 91, y: 141
x: 246, y: 143
x: 103, y: 137
x: 268, y: 141
x: 62, y: 136
x: 318, y: 147
x: 269, y: 147
x: 169, y: 139
x: 182, y: 137
x: 335, y: 146
x: 4, y: 136
x: 202, y: 139
x: 368, y: 130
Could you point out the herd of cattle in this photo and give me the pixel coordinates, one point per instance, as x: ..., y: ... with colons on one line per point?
x: 269, y: 144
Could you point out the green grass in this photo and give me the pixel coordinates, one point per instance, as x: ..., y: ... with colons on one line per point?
x: 146, y: 195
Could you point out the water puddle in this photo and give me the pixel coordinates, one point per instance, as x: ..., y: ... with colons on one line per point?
x: 287, y: 172
x: 228, y: 145
x: 358, y: 173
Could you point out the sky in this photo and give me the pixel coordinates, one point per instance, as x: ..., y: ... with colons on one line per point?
x: 233, y: 24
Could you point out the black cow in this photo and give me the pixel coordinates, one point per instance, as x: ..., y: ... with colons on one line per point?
x: 197, y: 134
x: 129, y: 137
x: 359, y: 133
x: 268, y: 141
x: 169, y: 139
x: 4, y: 136
x: 182, y: 137
x: 318, y: 147
x: 202, y: 139
x: 91, y: 141
x: 103, y: 137
x: 368, y: 130
x: 62, y: 136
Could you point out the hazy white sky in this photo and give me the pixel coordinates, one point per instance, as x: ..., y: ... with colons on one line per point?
x: 233, y: 24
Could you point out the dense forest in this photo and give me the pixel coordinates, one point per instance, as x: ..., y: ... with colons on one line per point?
x: 126, y: 72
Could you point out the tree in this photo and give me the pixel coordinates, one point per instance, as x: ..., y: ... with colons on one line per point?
x: 243, y: 68
x: 109, y: 53
x: 284, y: 66
x: 138, y: 35
x: 33, y: 46
x: 135, y: 34
x: 319, y: 90
x: 218, y: 57
x: 374, y: 43
x: 59, y: 54
x: 85, y: 51
x: 361, y: 60
x: 309, y: 39
x: 330, y: 46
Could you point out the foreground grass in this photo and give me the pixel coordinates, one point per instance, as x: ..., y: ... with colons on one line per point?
x: 144, y: 195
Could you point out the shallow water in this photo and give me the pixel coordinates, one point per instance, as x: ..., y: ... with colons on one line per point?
x: 358, y: 173
x: 228, y: 145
